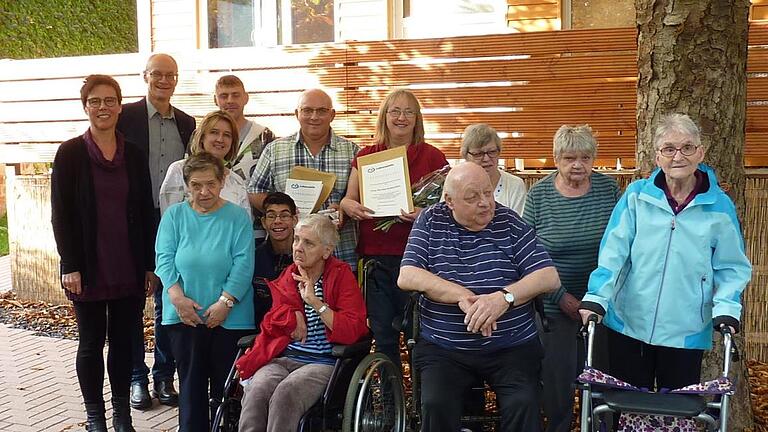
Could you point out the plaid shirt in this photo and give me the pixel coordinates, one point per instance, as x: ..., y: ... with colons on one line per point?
x: 279, y: 156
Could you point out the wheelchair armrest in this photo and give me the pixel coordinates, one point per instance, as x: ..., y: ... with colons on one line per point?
x: 345, y: 351
x: 247, y: 341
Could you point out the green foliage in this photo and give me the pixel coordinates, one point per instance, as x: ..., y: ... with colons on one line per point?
x: 60, y: 28
x: 4, y: 235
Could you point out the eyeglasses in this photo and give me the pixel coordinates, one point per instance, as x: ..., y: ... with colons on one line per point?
x: 685, y: 150
x: 481, y: 154
x: 396, y: 113
x: 157, y: 76
x: 285, y: 216
x: 95, y: 102
x: 308, y: 112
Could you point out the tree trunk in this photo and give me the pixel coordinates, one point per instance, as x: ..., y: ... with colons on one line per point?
x: 692, y: 57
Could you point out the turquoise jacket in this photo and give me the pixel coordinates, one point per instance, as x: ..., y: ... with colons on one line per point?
x: 661, y: 277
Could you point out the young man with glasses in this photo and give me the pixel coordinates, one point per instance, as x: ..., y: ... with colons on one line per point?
x: 315, y: 146
x: 161, y: 131
x: 275, y: 254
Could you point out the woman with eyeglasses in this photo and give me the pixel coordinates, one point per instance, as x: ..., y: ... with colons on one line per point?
x: 399, y: 123
x: 481, y: 144
x: 569, y: 210
x: 103, y: 222
x: 671, y: 266
x: 215, y: 135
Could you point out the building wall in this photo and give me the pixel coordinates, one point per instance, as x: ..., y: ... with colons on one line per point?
x: 174, y: 25
x: 361, y: 20
x: 602, y: 13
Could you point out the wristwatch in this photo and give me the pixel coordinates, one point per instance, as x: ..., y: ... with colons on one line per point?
x: 508, y: 297
x: 227, y: 301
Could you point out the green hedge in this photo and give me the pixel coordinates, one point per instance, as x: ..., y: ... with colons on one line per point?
x: 60, y: 28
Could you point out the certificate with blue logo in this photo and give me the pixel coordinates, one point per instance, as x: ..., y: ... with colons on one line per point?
x: 384, y: 182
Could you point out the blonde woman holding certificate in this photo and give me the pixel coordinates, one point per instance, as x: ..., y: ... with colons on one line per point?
x: 399, y: 124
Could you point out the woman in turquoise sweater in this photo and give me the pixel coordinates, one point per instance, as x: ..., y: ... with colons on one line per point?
x: 205, y: 259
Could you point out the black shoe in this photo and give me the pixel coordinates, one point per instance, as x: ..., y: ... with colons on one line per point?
x: 165, y: 393
x: 121, y: 415
x: 140, y: 396
x: 95, y: 417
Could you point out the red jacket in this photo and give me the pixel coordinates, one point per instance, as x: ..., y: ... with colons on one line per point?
x: 340, y: 291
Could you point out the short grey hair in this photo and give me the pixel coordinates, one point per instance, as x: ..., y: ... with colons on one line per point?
x: 574, y: 139
x: 322, y: 226
x: 679, y: 123
x: 477, y: 135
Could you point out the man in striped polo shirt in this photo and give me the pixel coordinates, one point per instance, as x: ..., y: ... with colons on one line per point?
x: 479, y: 266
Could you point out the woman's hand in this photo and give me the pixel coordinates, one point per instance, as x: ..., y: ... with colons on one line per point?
x: 299, y: 334
x: 355, y: 210
x: 410, y: 217
x: 185, y: 307
x: 151, y: 281
x: 216, y: 314
x: 586, y: 313
x: 72, y: 282
x: 307, y: 288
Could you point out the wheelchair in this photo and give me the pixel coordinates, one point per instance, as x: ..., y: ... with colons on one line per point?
x: 684, y: 408
x: 364, y: 394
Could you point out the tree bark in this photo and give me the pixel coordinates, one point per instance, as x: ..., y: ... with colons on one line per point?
x: 692, y: 57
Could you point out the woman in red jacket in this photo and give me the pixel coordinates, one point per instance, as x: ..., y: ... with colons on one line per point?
x: 316, y: 302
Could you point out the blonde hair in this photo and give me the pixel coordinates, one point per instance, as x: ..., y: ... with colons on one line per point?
x: 382, y: 132
x: 208, y: 123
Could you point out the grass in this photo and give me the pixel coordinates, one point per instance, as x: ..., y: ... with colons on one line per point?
x: 4, y: 235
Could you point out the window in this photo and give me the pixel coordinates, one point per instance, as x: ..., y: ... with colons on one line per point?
x: 239, y: 23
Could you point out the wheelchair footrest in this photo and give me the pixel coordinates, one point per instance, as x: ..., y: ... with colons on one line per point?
x: 676, y: 405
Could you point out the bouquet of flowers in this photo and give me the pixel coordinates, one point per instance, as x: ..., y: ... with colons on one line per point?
x: 425, y: 192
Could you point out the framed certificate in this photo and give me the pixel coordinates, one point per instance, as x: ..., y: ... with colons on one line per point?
x: 310, y: 187
x: 385, y: 185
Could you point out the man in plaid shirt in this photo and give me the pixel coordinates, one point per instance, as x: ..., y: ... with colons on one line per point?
x: 313, y: 146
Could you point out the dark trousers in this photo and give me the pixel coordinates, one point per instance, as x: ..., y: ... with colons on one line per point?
x: 512, y: 373
x: 564, y: 357
x: 385, y: 301
x: 651, y: 366
x: 97, y: 321
x: 165, y: 365
x: 204, y: 357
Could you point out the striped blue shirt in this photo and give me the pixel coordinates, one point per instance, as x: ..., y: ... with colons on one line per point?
x: 484, y: 262
x: 316, y: 349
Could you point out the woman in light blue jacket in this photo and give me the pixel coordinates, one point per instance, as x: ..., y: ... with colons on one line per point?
x: 671, y: 266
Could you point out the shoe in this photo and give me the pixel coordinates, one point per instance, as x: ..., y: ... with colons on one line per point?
x: 140, y: 398
x: 95, y: 421
x: 121, y: 415
x: 165, y: 393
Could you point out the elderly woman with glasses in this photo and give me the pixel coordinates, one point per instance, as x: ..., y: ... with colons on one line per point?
x: 399, y: 123
x: 103, y: 222
x: 481, y: 145
x: 671, y: 266
x: 316, y: 302
x: 569, y: 210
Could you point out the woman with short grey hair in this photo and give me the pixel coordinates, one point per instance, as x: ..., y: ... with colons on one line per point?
x: 569, y: 210
x: 481, y: 145
x: 322, y: 226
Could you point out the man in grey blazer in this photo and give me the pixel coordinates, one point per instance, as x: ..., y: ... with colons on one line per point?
x: 162, y: 132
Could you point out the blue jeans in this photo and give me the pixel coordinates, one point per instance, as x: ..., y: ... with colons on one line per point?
x: 165, y: 364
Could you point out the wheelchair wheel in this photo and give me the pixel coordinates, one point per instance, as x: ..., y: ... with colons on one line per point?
x: 375, y: 399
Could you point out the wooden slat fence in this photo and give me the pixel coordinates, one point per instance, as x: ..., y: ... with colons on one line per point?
x: 526, y: 85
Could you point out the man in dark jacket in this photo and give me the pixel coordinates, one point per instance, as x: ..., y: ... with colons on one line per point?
x: 162, y: 132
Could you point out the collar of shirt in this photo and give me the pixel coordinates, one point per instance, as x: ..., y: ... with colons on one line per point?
x: 151, y: 111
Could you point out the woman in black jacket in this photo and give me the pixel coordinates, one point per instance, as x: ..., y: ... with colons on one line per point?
x: 102, y: 216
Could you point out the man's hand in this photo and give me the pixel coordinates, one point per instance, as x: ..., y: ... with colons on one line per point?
x: 151, y: 282
x: 570, y: 306
x: 72, y: 282
x: 216, y: 314
x: 299, y: 334
x: 484, y: 312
